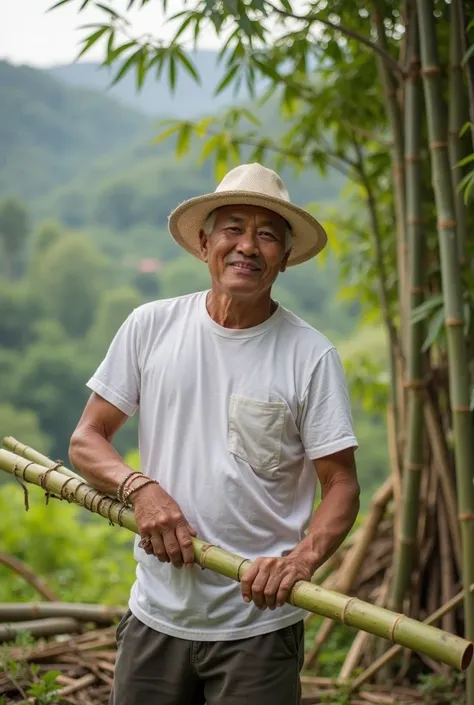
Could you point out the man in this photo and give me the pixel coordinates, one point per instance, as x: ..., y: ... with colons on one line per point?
x: 242, y: 407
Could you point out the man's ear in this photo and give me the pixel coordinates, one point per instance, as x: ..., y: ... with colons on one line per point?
x: 285, y: 261
x: 203, y: 245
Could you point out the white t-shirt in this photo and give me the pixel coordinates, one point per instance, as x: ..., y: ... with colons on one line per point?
x: 229, y: 422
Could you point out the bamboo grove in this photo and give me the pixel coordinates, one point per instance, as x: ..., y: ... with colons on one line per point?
x: 382, y: 91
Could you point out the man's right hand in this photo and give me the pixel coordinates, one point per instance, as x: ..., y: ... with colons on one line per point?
x: 162, y: 526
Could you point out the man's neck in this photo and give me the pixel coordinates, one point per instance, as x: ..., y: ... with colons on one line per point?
x: 239, y: 312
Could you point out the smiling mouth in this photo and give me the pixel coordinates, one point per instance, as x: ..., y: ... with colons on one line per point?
x: 245, y: 267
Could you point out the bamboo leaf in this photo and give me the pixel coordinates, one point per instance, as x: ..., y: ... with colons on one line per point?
x: 183, y: 140
x: 172, y: 73
x: 92, y: 39
x: 467, y: 55
x: 424, y: 309
x: 56, y: 5
x: 167, y: 133
x: 471, y: 406
x: 188, y: 65
x: 108, y: 9
x: 113, y: 54
x: 211, y: 145
x: 227, y: 79
x: 128, y: 63
x: 435, y: 326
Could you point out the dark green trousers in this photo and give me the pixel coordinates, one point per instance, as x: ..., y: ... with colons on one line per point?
x: 156, y: 669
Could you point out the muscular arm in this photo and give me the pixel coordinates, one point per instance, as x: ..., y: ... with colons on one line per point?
x: 159, y: 518
x: 90, y: 449
x: 337, y: 511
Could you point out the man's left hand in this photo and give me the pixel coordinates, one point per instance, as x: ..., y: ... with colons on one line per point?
x: 268, y: 581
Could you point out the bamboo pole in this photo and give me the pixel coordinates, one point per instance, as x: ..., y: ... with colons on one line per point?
x: 83, y: 612
x: 414, y: 460
x: 458, y: 115
x: 11, y: 443
x: 439, y: 645
x: 39, y: 627
x: 394, y: 650
x: 453, y: 304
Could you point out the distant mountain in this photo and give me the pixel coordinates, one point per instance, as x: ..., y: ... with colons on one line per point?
x: 155, y: 97
x: 49, y: 132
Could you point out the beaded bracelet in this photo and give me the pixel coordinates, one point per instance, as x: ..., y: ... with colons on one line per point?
x: 122, y: 484
x: 128, y: 493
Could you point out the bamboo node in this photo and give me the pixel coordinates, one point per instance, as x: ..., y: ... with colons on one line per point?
x: 391, y: 633
x: 415, y: 467
x: 430, y: 70
x: 466, y: 517
x: 462, y: 409
x: 452, y: 322
x: 446, y: 224
x: 345, y: 608
x: 412, y: 159
x: 417, y: 221
x: 438, y: 144
x: 111, y: 505
x: 417, y: 290
x: 119, y: 516
x: 202, y: 562
x: 414, y: 384
x: 407, y: 540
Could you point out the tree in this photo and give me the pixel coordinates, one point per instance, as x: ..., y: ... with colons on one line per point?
x: 69, y: 281
x: 14, y: 230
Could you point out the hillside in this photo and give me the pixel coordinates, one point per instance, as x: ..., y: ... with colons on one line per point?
x: 155, y: 98
x: 49, y: 132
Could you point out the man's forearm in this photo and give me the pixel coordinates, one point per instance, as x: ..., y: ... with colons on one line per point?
x: 96, y: 459
x: 331, y: 523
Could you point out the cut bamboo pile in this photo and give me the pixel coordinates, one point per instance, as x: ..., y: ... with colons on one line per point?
x: 86, y: 664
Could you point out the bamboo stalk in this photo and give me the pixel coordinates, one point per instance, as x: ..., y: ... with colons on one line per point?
x: 29, y: 575
x: 453, y: 305
x: 101, y: 614
x: 39, y: 627
x: 443, y: 647
x: 19, y: 448
x: 446, y: 565
x: 414, y: 460
x: 458, y: 115
x: 394, y: 650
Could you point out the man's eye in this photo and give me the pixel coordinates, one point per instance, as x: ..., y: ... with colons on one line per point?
x: 265, y: 233
x: 233, y: 229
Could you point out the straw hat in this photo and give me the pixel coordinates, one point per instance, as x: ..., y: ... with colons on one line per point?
x: 249, y: 184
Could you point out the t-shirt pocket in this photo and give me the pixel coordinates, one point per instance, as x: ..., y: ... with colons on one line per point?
x: 255, y: 432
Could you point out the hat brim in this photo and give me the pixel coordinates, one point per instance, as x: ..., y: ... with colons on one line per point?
x: 187, y: 220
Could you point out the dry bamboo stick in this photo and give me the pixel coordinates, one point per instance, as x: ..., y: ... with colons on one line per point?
x: 352, y: 562
x: 442, y: 467
x: 39, y: 627
x: 29, y: 575
x: 444, y: 647
x: 447, y: 577
x: 101, y: 614
x: 394, y: 650
x: 80, y: 684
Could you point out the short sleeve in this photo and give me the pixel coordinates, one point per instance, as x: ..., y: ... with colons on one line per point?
x: 326, y: 423
x: 117, y: 379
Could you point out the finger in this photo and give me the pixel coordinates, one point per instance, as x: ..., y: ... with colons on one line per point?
x: 172, y: 548
x: 271, y: 589
x: 191, y: 530
x: 246, y: 581
x: 147, y: 546
x: 158, y: 548
x: 185, y: 543
x: 284, y: 590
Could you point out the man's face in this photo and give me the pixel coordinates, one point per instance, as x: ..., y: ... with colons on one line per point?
x: 246, y: 249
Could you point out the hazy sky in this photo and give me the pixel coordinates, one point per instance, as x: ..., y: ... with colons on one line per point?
x: 31, y: 35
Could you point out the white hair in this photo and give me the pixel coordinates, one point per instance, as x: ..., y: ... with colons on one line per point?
x: 211, y: 221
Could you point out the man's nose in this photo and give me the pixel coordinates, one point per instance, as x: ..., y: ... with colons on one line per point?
x: 248, y: 243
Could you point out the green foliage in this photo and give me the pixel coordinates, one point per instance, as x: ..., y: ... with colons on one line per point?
x: 14, y: 229
x: 24, y: 424
x: 70, y: 277
x: 79, y: 555
x: 438, y: 689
